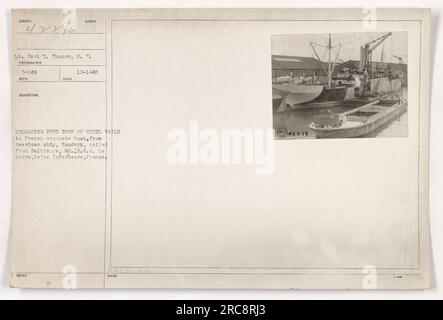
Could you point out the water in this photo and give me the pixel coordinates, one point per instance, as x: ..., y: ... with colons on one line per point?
x: 294, y: 124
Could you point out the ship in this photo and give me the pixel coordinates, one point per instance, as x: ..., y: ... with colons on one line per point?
x: 359, y: 122
x: 368, y: 82
x: 375, y: 86
x: 301, y: 93
x: 361, y: 81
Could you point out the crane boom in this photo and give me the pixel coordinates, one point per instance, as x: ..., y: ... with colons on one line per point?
x: 367, y: 49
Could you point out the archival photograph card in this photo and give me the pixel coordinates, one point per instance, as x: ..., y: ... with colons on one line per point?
x: 217, y: 148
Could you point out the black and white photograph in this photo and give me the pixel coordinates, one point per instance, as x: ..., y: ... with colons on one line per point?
x: 340, y: 85
x: 211, y: 153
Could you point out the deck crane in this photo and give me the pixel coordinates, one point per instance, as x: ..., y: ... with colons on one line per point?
x: 366, y: 52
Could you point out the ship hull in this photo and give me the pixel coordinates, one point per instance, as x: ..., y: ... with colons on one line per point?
x: 378, y: 86
x: 296, y: 93
x: 384, y: 85
x: 364, y: 129
x: 330, y: 96
x: 308, y: 96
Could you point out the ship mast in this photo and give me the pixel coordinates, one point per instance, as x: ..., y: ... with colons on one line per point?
x: 329, y: 62
x: 331, y: 65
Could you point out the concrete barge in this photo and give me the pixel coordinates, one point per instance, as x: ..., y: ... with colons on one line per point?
x: 360, y: 121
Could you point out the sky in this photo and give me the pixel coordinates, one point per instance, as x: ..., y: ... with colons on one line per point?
x: 298, y: 45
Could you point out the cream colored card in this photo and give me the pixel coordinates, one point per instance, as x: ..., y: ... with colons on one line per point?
x: 221, y: 148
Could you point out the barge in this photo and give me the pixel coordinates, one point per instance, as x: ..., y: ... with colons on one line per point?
x: 360, y: 121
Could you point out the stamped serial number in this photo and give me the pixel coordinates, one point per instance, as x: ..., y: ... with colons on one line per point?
x: 224, y: 309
